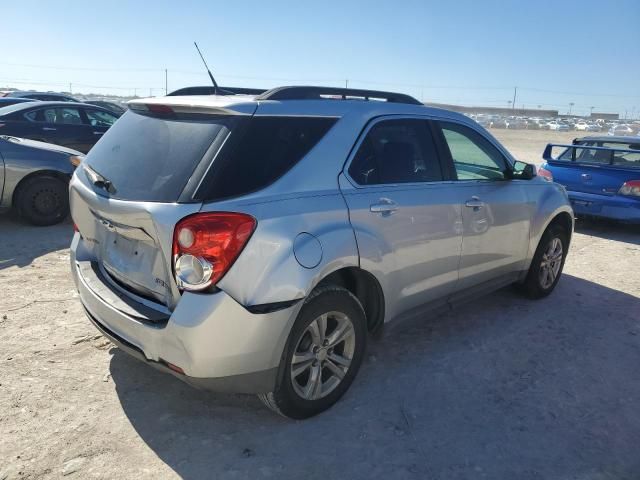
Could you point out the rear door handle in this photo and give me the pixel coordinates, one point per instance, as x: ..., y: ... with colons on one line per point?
x: 49, y: 129
x: 385, y: 206
x: 98, y: 133
x: 585, y: 176
x: 474, y: 203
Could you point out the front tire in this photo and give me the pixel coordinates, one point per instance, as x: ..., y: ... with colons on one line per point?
x: 43, y: 200
x: 547, y: 264
x: 323, y: 354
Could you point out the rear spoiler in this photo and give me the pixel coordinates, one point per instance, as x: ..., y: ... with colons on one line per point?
x: 209, y: 90
x: 573, y: 148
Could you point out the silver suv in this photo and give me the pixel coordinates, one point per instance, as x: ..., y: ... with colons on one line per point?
x: 251, y: 244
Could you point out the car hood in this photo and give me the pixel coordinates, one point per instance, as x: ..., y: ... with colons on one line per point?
x: 42, y: 145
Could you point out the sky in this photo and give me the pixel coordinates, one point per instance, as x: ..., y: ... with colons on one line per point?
x: 466, y: 52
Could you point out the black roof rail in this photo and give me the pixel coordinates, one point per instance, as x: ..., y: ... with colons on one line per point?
x: 320, y: 93
x: 210, y: 90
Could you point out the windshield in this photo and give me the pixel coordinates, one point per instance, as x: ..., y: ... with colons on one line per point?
x: 151, y: 159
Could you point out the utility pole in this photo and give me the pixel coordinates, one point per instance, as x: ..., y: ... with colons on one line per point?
x: 70, y: 88
x: 346, y: 83
x: 591, y: 111
x: 571, y: 104
x: 515, y: 92
x: 166, y: 82
x: 150, y: 94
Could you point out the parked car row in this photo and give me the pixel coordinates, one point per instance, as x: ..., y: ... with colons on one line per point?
x: 43, y: 136
x: 616, y: 128
x: 10, y: 97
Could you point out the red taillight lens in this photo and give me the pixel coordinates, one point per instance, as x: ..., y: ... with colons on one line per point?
x: 205, y: 245
x: 544, y: 173
x: 75, y: 227
x: 630, y: 188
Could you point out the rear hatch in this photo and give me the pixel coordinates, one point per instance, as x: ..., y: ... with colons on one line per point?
x: 138, y: 182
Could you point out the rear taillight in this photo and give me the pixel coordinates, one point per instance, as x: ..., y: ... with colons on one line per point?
x: 205, y: 245
x: 630, y: 188
x: 544, y: 173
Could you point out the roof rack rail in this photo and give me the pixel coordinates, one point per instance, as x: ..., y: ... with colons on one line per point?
x: 321, y: 93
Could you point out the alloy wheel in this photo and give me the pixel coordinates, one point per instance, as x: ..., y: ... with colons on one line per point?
x: 551, y: 263
x: 323, y: 355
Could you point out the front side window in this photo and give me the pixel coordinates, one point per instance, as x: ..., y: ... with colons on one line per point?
x: 98, y: 118
x: 396, y: 151
x: 474, y: 157
x: 68, y: 116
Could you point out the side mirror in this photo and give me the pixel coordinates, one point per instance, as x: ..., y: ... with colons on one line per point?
x: 523, y: 171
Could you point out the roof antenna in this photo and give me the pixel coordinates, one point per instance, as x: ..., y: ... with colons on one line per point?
x: 213, y: 80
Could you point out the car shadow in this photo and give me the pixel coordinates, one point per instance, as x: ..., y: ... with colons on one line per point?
x: 500, y: 388
x: 609, y: 230
x: 21, y: 243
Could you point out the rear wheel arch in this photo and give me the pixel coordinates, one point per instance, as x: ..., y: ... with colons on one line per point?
x: 64, y: 177
x: 365, y: 287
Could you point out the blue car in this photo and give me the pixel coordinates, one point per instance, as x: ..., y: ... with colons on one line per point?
x: 601, y: 175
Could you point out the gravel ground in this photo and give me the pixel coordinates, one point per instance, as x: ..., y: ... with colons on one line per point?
x: 504, y: 388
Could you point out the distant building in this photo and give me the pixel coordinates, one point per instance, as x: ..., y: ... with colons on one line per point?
x: 605, y: 116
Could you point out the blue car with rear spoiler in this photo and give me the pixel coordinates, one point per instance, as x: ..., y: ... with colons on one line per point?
x: 601, y: 175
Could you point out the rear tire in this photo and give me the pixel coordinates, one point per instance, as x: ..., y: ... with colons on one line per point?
x: 325, y: 363
x: 43, y: 200
x: 547, y: 264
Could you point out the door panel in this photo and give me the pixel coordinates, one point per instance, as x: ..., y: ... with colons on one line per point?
x: 1, y: 179
x: 407, y: 221
x: 495, y: 230
x: 495, y: 212
x: 413, y: 250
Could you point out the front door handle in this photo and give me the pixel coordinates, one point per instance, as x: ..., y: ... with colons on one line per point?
x: 385, y: 206
x: 474, y: 203
x: 49, y: 129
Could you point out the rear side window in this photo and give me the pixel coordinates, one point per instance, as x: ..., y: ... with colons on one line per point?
x: 396, y: 151
x: 261, y: 150
x: 151, y: 159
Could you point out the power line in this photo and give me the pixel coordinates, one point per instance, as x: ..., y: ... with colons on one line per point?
x: 89, y: 69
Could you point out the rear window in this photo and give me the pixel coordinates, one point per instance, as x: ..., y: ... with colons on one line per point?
x: 263, y: 150
x: 604, y: 157
x: 151, y: 159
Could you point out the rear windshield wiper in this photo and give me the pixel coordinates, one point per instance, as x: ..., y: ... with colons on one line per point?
x: 98, y: 180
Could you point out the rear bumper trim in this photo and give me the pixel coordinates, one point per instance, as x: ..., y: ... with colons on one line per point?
x: 615, y: 207
x: 256, y: 382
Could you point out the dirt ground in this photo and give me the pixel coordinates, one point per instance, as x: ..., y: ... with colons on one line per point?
x: 503, y: 388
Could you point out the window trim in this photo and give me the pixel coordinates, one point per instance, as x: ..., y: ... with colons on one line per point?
x: 449, y: 158
x: 363, y: 135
